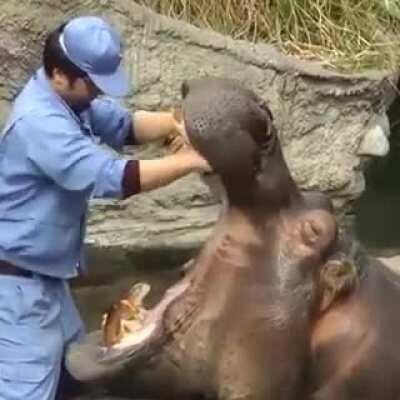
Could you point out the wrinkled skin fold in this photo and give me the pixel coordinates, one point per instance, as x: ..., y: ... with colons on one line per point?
x: 263, y: 311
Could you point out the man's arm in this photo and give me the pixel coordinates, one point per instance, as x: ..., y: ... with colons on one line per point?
x: 117, y: 127
x: 75, y: 163
x: 149, y: 126
x: 161, y: 172
x: 146, y: 175
x: 72, y: 160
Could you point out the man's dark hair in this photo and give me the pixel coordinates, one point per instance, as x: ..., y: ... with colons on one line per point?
x: 54, y: 57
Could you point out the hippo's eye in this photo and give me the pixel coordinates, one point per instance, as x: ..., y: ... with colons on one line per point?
x: 269, y: 137
x: 269, y: 140
x: 264, y: 133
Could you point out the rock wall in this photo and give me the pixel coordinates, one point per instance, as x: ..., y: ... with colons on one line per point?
x: 328, y: 122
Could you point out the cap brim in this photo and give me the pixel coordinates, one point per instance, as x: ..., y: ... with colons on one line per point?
x: 115, y: 85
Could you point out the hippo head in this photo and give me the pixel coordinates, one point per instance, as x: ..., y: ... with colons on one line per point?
x: 233, y: 129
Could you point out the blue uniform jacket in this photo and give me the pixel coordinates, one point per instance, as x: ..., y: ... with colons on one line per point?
x: 50, y: 165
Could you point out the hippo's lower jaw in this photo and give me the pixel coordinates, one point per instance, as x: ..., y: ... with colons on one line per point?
x: 147, y: 337
x: 91, y: 360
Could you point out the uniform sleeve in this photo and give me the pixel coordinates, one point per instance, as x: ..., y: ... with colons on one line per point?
x: 111, y: 122
x: 58, y: 148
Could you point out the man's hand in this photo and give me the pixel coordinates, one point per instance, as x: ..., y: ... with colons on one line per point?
x: 151, y: 126
x: 178, y: 143
x: 177, y: 138
x: 175, y: 142
x: 199, y: 164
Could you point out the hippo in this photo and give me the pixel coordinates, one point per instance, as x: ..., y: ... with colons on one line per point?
x: 238, y: 324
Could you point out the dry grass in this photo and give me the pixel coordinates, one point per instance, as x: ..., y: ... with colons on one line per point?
x: 345, y: 34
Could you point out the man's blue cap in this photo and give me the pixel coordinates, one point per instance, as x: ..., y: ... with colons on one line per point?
x: 93, y: 46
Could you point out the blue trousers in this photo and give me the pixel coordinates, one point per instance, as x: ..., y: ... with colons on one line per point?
x: 38, y: 319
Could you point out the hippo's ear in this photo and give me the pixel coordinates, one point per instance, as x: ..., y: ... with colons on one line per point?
x: 184, y: 89
x: 337, y: 278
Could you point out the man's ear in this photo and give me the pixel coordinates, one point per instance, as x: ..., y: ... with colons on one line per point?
x: 337, y: 279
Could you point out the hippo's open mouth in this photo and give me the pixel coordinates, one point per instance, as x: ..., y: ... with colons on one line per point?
x: 125, y: 334
x: 130, y: 344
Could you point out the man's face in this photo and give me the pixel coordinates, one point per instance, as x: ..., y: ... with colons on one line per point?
x: 77, y: 93
x: 81, y: 92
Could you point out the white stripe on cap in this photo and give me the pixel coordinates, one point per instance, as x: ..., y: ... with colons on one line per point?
x: 62, y: 44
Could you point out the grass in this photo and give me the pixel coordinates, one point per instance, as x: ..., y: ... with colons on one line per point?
x: 344, y: 34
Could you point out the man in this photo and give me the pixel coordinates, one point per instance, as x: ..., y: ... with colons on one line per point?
x: 50, y: 167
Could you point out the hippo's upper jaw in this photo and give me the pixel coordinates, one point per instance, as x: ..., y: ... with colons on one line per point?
x: 233, y: 129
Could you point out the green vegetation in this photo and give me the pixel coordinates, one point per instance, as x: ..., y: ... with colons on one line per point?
x: 345, y: 34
